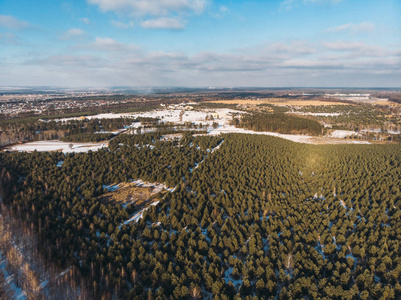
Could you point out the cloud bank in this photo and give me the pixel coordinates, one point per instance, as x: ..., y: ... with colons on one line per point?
x: 150, y: 7
x: 300, y: 63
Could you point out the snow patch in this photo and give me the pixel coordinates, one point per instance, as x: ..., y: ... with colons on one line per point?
x: 111, y: 188
x: 139, y: 215
x: 55, y: 145
x: 342, y: 133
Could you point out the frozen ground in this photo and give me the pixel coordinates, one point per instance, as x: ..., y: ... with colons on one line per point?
x: 19, y: 294
x: 317, y: 114
x: 292, y: 137
x: 342, y: 133
x: 99, y: 116
x: 56, y: 145
x: 221, y: 116
x: 139, y: 214
x: 378, y: 130
x: 306, y: 139
x: 157, y: 187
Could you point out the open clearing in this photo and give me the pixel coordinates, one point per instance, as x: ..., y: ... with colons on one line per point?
x: 179, y: 116
x: 306, y: 139
x: 279, y: 101
x: 129, y: 193
x: 56, y: 145
x: 136, y: 192
x: 220, y: 115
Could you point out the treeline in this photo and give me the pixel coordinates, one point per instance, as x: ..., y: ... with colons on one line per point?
x: 279, y: 122
x: 358, y: 117
x: 88, y: 137
x: 251, y: 217
x: 25, y: 130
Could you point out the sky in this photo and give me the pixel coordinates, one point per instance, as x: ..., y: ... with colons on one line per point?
x: 200, y: 43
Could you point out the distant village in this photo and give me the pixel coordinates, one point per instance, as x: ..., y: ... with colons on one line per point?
x: 39, y: 104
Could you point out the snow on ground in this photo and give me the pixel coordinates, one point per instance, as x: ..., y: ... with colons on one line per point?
x: 99, y: 116
x: 228, y: 277
x: 353, y: 257
x: 111, y: 188
x: 221, y: 116
x: 342, y: 133
x: 378, y: 130
x: 56, y: 145
x: 317, y: 114
x: 292, y: 137
x: 19, y: 294
x: 139, y: 214
x: 306, y: 139
x: 218, y: 146
x: 157, y: 187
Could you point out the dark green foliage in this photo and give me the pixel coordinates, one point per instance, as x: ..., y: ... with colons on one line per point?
x: 356, y: 117
x: 260, y: 217
x: 280, y: 122
x: 88, y: 137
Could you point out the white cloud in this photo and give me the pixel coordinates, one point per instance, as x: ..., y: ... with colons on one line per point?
x: 323, y: 1
x: 344, y: 46
x: 289, y: 4
x: 298, y: 63
x: 108, y: 44
x: 85, y: 20
x: 9, y: 39
x: 220, y: 12
x: 163, y: 23
x: 74, y: 34
x: 121, y: 25
x: 353, y: 28
x: 70, y: 61
x: 224, y: 9
x: 294, y: 48
x: 12, y: 23
x: 356, y: 50
x: 150, y: 7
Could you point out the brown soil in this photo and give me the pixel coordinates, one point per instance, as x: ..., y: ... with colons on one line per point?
x: 129, y: 193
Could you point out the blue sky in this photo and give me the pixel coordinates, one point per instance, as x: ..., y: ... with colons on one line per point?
x: 310, y: 43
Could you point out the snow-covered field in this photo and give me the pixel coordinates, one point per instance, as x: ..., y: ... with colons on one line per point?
x: 221, y: 116
x: 99, y: 116
x: 292, y: 137
x: 317, y: 114
x: 342, y: 133
x: 378, y: 130
x: 56, y: 145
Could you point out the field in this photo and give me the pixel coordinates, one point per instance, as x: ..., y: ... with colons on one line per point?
x: 221, y: 118
x: 173, y: 115
x: 305, y: 139
x: 137, y: 192
x: 279, y: 101
x: 56, y: 146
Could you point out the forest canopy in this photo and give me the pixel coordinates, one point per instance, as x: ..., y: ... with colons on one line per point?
x: 279, y: 122
x: 249, y: 216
